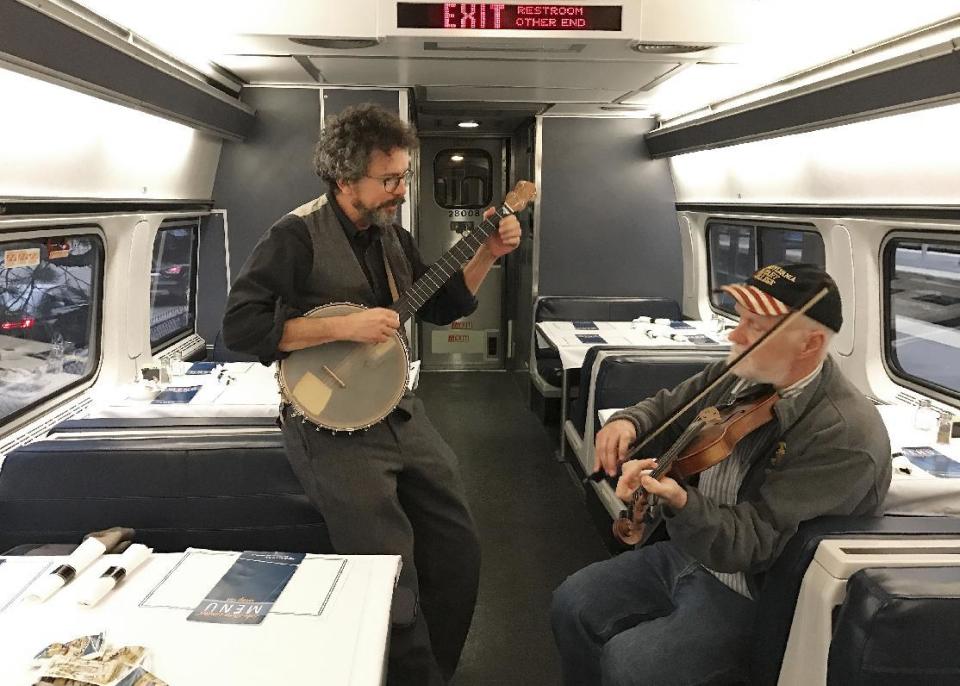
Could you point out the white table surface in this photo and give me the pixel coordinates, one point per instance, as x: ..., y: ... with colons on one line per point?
x: 251, y: 392
x: 912, y: 490
x: 562, y: 335
x: 345, y: 643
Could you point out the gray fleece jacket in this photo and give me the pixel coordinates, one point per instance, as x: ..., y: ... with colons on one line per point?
x: 830, y: 456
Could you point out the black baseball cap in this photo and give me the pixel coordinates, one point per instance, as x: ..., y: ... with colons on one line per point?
x: 778, y: 288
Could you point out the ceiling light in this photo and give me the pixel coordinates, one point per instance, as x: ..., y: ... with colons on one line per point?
x: 456, y: 158
x: 468, y: 124
x: 667, y: 48
x: 336, y: 43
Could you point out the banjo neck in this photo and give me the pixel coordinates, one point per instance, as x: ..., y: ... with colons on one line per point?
x: 449, y: 264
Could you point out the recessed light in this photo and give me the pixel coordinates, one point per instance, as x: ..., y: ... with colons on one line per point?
x: 456, y: 158
x: 336, y: 43
x: 667, y: 48
x: 468, y: 124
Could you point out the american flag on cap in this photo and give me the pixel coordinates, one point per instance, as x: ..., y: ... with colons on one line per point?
x: 753, y: 299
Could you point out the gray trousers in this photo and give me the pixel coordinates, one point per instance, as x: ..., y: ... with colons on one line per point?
x: 395, y: 489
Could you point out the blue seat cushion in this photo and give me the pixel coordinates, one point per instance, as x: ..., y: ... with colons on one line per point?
x: 220, y: 492
x: 898, y: 626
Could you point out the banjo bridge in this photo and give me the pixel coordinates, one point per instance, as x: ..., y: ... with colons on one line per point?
x: 334, y: 376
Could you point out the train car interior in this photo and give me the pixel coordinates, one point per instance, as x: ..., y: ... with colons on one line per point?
x: 675, y: 147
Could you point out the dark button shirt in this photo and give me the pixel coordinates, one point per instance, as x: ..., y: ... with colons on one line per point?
x: 269, y: 289
x: 369, y: 251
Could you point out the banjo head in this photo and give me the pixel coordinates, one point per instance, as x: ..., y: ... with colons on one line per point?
x: 344, y: 385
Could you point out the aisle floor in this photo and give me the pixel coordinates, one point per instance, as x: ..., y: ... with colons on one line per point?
x: 534, y: 526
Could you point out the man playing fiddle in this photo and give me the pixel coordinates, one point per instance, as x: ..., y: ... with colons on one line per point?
x: 680, y: 611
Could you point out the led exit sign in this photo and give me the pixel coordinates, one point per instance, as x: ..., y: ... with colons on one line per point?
x: 498, y: 16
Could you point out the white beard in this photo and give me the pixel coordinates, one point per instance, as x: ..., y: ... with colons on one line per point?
x: 747, y: 370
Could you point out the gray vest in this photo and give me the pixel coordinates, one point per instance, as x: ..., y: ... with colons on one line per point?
x: 336, y: 275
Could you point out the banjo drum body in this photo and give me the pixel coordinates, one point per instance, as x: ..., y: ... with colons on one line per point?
x: 345, y: 385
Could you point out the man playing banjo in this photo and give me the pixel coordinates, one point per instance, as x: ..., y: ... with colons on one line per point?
x: 394, y: 488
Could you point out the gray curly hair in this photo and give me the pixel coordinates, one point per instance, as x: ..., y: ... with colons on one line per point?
x: 348, y: 139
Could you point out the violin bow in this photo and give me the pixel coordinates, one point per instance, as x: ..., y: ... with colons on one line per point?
x: 786, y: 321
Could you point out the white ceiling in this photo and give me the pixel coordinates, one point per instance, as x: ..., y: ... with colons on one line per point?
x: 407, y: 67
x: 755, y: 42
x: 518, y: 66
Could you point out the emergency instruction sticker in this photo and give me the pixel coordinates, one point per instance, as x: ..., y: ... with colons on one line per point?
x: 25, y: 257
x: 57, y: 249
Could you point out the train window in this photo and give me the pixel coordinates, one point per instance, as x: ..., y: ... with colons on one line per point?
x: 922, y: 312
x: 49, y: 317
x: 462, y: 179
x: 787, y: 245
x: 173, y: 281
x: 737, y: 249
x: 733, y: 258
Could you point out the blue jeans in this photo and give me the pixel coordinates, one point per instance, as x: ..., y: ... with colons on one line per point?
x: 650, y: 616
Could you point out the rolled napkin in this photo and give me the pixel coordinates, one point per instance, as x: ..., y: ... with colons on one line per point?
x: 663, y: 321
x: 132, y: 558
x: 115, y: 539
x: 78, y: 560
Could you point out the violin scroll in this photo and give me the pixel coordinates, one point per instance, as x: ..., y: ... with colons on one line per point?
x: 626, y: 530
x: 630, y: 526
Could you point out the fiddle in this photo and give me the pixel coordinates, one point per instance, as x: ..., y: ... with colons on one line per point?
x: 629, y: 528
x: 708, y: 440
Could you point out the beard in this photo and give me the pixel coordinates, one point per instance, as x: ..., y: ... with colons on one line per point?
x: 381, y: 215
x: 749, y: 371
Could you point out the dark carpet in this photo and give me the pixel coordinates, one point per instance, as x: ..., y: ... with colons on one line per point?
x: 534, y: 526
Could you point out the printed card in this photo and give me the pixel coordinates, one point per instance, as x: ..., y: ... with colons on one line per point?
x: 249, y: 589
x: 932, y: 461
x: 201, y: 368
x: 176, y: 394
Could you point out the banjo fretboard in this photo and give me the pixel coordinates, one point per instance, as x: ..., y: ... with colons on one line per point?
x: 450, y: 263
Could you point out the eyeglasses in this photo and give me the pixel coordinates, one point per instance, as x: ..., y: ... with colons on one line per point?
x: 392, y: 183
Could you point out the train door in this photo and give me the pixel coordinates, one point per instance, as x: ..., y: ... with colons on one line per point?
x: 459, y: 179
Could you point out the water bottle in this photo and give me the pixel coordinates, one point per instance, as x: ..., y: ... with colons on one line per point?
x: 716, y: 324
x: 925, y: 418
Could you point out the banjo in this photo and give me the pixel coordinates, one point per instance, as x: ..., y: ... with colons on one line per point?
x: 348, y: 386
